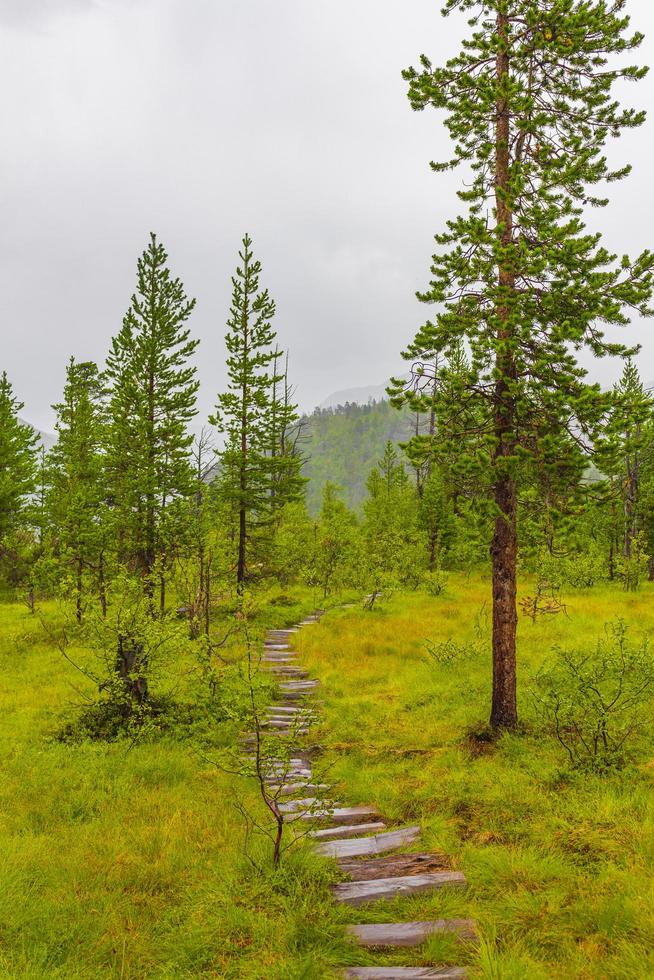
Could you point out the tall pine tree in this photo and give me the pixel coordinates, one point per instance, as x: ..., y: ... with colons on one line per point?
x: 529, y: 106
x: 258, y: 470
x: 77, y: 494
x: 18, y: 465
x: 153, y: 391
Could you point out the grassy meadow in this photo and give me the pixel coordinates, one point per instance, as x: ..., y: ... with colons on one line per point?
x: 126, y: 859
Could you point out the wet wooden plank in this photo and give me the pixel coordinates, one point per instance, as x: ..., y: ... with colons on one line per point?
x: 333, y: 834
x: 298, y: 687
x: 347, y: 815
x: 287, y: 709
x: 406, y: 973
x: 381, y: 935
x: 306, y: 804
x: 357, y: 893
x: 371, y: 845
x: 392, y: 866
x: 288, y: 789
x: 284, y: 727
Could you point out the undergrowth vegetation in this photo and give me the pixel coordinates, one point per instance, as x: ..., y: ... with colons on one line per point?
x: 126, y: 858
x: 558, y: 858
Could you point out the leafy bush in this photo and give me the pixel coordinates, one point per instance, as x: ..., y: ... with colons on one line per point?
x: 580, y: 570
x: 434, y: 582
x: 596, y: 702
x: 634, y: 568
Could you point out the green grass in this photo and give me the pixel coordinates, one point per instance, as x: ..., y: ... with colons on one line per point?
x: 126, y: 861
x: 559, y: 865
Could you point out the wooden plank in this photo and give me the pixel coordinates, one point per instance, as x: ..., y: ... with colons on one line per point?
x: 294, y: 806
x: 392, y: 866
x: 287, y: 709
x: 288, y: 789
x: 371, y: 845
x: 361, y: 892
x: 382, y: 935
x: 299, y: 685
x: 343, y: 832
x: 348, y: 815
x: 406, y: 973
x: 283, y: 726
x: 304, y: 716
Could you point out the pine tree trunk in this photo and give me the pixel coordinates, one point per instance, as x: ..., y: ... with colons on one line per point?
x: 102, y: 587
x: 504, y: 548
x: 78, y: 590
x: 631, y: 494
x: 433, y: 548
x: 242, y: 534
x: 504, y: 554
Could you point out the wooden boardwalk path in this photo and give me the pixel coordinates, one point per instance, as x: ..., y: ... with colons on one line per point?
x: 367, y: 851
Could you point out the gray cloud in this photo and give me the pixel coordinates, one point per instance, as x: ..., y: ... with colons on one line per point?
x: 35, y: 13
x: 201, y: 120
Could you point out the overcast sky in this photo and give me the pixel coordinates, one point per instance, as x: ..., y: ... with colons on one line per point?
x: 203, y: 119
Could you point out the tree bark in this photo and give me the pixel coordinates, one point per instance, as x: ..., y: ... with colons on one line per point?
x: 504, y: 547
x: 78, y: 589
x: 131, y: 663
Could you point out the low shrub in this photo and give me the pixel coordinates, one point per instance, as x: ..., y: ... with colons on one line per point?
x: 597, y: 702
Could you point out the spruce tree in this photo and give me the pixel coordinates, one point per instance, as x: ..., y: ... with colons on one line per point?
x: 391, y: 521
x: 626, y: 448
x: 250, y: 414
x: 153, y: 391
x: 18, y: 466
x: 287, y: 482
x: 77, y: 494
x: 529, y: 107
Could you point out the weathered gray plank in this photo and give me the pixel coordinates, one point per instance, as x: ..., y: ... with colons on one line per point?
x: 287, y: 709
x: 371, y: 845
x: 283, y: 726
x: 392, y: 866
x: 411, y: 933
x: 406, y: 973
x: 288, y: 789
x: 297, y: 718
x: 348, y: 831
x: 299, y: 685
x: 347, y: 815
x: 360, y: 892
x: 306, y: 804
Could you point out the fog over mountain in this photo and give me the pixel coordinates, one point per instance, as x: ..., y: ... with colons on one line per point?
x: 287, y: 120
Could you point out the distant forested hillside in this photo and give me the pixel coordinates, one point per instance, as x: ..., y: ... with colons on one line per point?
x: 343, y: 444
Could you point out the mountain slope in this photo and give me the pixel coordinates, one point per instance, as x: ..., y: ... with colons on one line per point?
x: 344, y: 443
